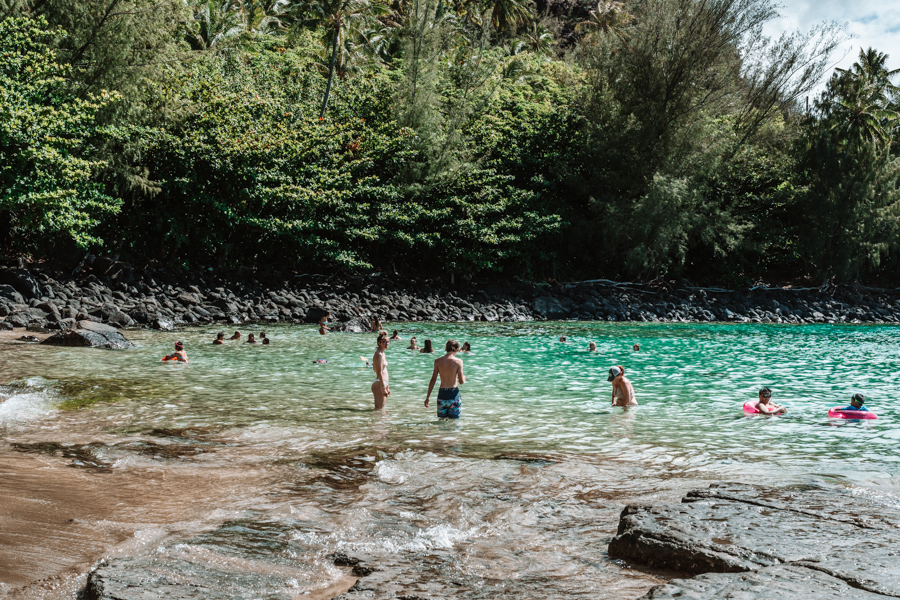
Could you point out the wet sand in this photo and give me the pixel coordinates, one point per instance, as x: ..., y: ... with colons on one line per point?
x: 57, y: 521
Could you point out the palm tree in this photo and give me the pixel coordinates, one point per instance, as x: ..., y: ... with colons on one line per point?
x: 863, y: 112
x: 508, y: 15
x: 607, y: 17
x: 341, y: 22
x: 539, y: 39
x: 218, y: 20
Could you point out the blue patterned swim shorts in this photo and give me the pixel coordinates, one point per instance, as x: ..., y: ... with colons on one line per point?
x: 449, y: 403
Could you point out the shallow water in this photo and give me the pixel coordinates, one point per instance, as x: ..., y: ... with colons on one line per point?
x: 520, y: 496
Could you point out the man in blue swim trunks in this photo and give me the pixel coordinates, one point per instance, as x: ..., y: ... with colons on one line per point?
x: 450, y: 370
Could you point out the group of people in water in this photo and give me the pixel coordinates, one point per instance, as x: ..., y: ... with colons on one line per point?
x: 449, y: 369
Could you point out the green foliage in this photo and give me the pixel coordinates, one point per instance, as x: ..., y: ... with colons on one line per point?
x: 49, y: 189
x: 254, y: 177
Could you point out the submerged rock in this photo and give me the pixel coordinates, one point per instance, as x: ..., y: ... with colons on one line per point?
x: 88, y: 334
x: 731, y: 528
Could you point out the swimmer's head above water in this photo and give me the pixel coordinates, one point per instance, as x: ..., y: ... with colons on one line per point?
x: 765, y: 394
x: 562, y: 338
x: 857, y: 400
x: 592, y: 346
x: 636, y: 347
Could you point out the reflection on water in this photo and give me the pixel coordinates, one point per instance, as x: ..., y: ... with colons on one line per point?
x: 519, y: 496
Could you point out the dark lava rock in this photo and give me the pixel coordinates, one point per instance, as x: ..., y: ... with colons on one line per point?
x: 88, y: 334
x: 22, y: 281
x: 553, y: 308
x: 731, y: 528
x: 784, y: 582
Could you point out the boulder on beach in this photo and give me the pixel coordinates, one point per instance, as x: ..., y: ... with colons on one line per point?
x: 88, y: 334
x: 734, y: 528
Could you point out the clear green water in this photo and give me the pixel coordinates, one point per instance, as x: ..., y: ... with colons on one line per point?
x: 527, y: 392
x: 405, y: 481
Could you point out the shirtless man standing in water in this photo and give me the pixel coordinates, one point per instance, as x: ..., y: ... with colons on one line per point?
x: 380, y: 387
x: 450, y: 369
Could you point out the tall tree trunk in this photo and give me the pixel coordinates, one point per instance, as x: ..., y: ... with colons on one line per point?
x: 334, y: 45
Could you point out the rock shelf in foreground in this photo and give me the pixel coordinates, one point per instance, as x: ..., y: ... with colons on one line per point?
x: 801, y: 543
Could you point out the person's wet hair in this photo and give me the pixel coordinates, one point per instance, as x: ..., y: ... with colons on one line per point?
x: 765, y: 392
x: 220, y: 335
x: 452, y: 346
x: 428, y: 347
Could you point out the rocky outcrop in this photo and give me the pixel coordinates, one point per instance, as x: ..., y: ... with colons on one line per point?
x: 732, y: 528
x: 88, y: 334
x: 784, y: 582
x: 116, y: 294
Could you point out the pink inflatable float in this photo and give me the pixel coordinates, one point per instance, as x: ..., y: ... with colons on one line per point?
x: 750, y: 407
x: 839, y: 413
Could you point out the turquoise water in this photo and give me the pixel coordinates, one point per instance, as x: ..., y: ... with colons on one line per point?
x: 527, y: 392
x: 539, y: 462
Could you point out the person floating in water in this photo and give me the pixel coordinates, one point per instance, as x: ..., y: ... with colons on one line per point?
x: 466, y: 347
x: 179, y: 355
x: 323, y: 324
x: 592, y: 347
x: 428, y: 349
x: 220, y: 338
x: 251, y: 339
x: 236, y: 336
x: 636, y: 348
x: 413, y: 345
x: 262, y: 337
x: 562, y: 339
x: 380, y: 388
x: 324, y: 361
x: 856, y: 403
x: 450, y: 370
x: 766, y: 406
x: 395, y: 336
x: 622, y: 390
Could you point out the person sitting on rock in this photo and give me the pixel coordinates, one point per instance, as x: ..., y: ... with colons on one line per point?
x: 466, y: 347
x: 220, y: 338
x: 179, y: 355
x: 251, y: 339
x: 236, y: 336
x: 592, y: 347
x: 428, y: 349
x: 766, y: 406
x: 262, y: 337
x: 856, y: 403
x: 396, y: 335
x: 413, y: 345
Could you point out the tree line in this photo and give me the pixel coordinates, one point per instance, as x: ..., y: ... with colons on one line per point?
x: 639, y: 139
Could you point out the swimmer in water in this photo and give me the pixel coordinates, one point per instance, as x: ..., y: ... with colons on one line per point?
x: 179, y: 355
x: 262, y: 337
x: 323, y: 324
x: 466, y: 347
x: 236, y: 336
x: 622, y: 390
x: 220, y: 338
x: 380, y: 388
x: 562, y: 339
x: 766, y: 406
x: 413, y: 344
x: 324, y: 361
x: 428, y: 349
x: 376, y: 324
x: 251, y: 339
x: 592, y: 347
x: 636, y: 348
x: 450, y: 370
x: 396, y: 336
x: 856, y: 403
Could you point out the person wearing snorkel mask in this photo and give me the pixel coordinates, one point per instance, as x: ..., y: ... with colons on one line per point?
x: 765, y: 404
x: 622, y: 390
